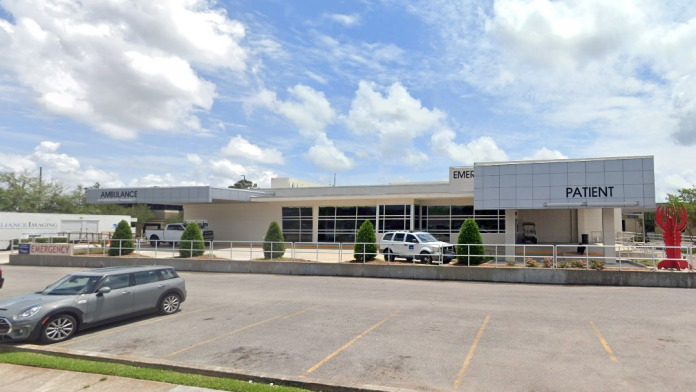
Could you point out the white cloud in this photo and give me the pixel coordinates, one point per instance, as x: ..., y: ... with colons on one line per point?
x: 121, y: 67
x: 326, y: 156
x: 483, y: 149
x: 394, y: 118
x: 239, y: 147
x: 545, y: 154
x: 57, y: 166
x: 346, y: 20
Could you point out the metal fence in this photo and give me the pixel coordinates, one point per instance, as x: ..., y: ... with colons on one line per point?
x: 586, y: 256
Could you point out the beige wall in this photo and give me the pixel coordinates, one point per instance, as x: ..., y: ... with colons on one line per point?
x: 552, y: 226
x: 236, y: 221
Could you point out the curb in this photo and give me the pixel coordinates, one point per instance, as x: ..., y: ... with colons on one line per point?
x: 205, y: 370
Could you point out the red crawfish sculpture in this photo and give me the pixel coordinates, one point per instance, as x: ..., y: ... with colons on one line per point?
x: 672, y: 220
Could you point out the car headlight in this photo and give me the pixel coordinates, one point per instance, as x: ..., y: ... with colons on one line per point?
x: 27, y: 313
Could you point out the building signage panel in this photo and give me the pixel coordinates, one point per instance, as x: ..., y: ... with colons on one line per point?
x: 590, y: 183
x: 462, y: 179
x: 51, y: 249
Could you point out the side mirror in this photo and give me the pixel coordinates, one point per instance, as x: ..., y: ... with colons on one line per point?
x: 104, y: 290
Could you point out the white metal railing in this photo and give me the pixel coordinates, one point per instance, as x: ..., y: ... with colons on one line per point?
x: 585, y: 256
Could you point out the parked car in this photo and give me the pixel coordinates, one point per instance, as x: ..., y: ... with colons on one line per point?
x: 89, y: 298
x: 173, y: 231
x: 409, y: 245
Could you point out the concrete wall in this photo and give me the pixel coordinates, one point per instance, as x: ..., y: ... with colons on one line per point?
x: 552, y: 226
x: 423, y: 272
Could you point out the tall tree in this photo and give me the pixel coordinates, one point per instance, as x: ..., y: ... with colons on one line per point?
x: 243, y: 184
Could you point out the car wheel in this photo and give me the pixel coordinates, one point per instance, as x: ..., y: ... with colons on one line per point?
x: 170, y: 303
x: 409, y: 259
x: 154, y: 240
x: 426, y: 258
x: 388, y: 255
x: 58, y: 328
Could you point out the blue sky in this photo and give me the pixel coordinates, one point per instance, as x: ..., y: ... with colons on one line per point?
x: 183, y: 92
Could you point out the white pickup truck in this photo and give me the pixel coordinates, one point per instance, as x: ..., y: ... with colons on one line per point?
x: 172, y: 233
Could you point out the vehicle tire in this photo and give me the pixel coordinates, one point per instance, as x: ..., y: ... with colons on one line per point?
x: 170, y: 303
x: 388, y: 255
x: 446, y: 260
x: 58, y: 328
x: 154, y: 240
x: 426, y: 258
x: 409, y: 259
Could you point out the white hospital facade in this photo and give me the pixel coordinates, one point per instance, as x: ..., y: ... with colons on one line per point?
x: 565, y: 199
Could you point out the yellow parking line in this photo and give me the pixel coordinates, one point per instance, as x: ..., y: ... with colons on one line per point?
x: 237, y: 331
x: 134, y: 325
x: 604, y: 342
x: 345, y: 346
x: 467, y: 361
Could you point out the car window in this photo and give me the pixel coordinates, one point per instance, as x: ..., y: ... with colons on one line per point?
x: 426, y: 237
x: 398, y: 237
x: 167, y: 274
x: 72, y: 285
x: 143, y: 277
x: 387, y: 236
x: 411, y: 238
x: 116, y: 281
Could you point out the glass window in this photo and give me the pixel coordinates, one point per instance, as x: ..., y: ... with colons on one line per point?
x: 143, y: 277
x: 327, y: 211
x: 411, y: 239
x: 116, y: 281
x: 345, y: 211
x: 463, y: 210
x: 289, y: 211
x: 438, y: 210
x: 388, y: 237
x: 398, y: 237
x: 167, y: 274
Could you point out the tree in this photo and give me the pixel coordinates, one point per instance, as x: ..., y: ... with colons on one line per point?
x: 686, y: 198
x: 122, y: 241
x: 191, y: 243
x: 365, y: 248
x: 243, y: 184
x: 274, y: 242
x: 470, y: 244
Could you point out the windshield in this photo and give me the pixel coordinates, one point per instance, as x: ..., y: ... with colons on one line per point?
x: 72, y: 285
x: 425, y: 237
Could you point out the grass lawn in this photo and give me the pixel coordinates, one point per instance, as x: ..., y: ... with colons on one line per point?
x: 142, y: 373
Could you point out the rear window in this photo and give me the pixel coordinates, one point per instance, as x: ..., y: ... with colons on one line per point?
x: 143, y: 277
x: 387, y: 236
x: 168, y: 274
x: 399, y: 237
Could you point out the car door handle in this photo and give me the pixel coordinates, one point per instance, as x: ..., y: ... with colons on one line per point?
x: 161, y: 286
x: 125, y: 292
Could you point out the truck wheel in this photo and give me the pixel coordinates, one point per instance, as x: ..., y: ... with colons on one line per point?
x: 426, y: 258
x: 388, y: 255
x: 154, y: 240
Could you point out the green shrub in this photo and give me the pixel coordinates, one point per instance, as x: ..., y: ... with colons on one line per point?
x: 50, y: 240
x: 531, y: 263
x: 122, y: 240
x: 547, y: 262
x: 470, y: 234
x: 191, y: 243
x: 365, y: 243
x: 563, y: 264
x: 577, y: 264
x: 511, y: 262
x: 597, y: 264
x: 274, y: 242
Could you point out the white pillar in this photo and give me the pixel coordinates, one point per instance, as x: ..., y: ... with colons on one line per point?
x: 510, y: 231
x: 609, y: 230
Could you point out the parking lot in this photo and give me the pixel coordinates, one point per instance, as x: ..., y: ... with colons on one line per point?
x: 413, y: 335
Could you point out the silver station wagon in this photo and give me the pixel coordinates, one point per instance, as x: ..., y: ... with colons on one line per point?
x: 89, y: 298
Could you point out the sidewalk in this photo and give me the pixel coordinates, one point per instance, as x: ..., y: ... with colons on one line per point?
x: 16, y: 378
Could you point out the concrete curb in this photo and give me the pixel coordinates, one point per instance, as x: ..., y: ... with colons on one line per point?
x: 206, y: 370
x: 392, y: 271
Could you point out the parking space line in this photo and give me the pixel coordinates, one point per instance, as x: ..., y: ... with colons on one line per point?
x: 604, y: 342
x: 345, y: 346
x: 134, y: 325
x: 470, y: 355
x: 238, y: 330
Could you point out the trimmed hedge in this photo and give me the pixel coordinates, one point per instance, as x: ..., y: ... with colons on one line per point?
x: 473, y: 252
x: 365, y: 248
x: 122, y: 241
x: 191, y: 243
x: 274, y: 242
